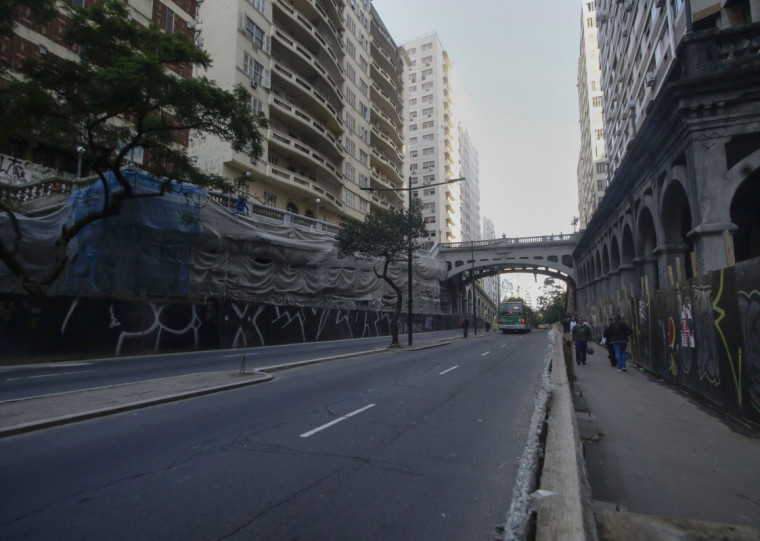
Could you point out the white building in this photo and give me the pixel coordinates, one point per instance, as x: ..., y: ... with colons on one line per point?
x: 433, y: 137
x: 592, y: 160
x: 329, y: 79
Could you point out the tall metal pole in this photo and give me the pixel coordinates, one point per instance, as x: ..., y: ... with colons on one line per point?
x: 409, y: 263
x: 409, y: 267
x: 474, y: 294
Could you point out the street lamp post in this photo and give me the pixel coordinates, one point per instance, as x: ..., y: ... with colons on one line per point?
x: 318, y: 202
x: 80, y: 153
x: 408, y: 189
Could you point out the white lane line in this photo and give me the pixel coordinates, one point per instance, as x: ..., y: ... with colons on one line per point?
x: 484, y: 354
x: 58, y: 374
x: 336, y: 421
x: 448, y: 370
x: 504, y: 345
x: 238, y: 355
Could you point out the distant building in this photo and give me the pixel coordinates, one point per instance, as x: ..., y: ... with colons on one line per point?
x: 439, y: 147
x: 330, y: 82
x: 592, y: 161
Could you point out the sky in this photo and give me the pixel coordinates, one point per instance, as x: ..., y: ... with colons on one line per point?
x: 518, y: 65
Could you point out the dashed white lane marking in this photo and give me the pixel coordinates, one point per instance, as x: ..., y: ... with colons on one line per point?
x: 484, y: 354
x: 336, y: 421
x: 48, y: 375
x: 448, y: 370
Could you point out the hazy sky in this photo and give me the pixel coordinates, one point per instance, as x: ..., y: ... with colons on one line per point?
x: 518, y: 64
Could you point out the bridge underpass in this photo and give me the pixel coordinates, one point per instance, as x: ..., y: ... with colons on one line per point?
x: 549, y: 255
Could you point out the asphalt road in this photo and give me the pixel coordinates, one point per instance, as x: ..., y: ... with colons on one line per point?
x: 23, y: 381
x: 401, y: 445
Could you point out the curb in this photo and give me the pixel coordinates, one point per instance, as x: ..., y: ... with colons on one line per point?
x: 261, y: 375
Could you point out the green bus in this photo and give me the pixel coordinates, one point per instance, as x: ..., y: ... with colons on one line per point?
x: 513, y: 317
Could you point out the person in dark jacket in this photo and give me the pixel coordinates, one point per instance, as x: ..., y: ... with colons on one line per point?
x: 465, y: 326
x: 610, y: 347
x: 581, y: 334
x: 619, y: 332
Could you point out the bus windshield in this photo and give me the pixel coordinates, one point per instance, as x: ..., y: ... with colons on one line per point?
x: 511, y: 308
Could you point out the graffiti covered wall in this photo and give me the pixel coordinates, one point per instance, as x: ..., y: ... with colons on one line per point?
x: 703, y: 335
x: 56, y: 328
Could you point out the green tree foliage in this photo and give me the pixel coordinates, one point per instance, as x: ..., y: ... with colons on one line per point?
x: 384, y: 237
x: 552, y: 302
x: 120, y: 94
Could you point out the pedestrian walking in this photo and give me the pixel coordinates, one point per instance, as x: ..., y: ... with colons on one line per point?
x: 606, y: 343
x: 619, y: 331
x: 465, y: 326
x: 581, y: 335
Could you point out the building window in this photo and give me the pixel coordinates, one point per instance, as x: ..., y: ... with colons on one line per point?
x: 256, y: 106
x: 257, y: 35
x: 426, y: 47
x: 260, y: 5
x: 350, y: 72
x: 413, y: 154
x: 428, y: 165
x: 427, y: 86
x: 363, y: 157
x: 255, y: 70
x: 428, y: 151
x: 169, y: 26
x: 351, y: 199
x: 351, y: 97
x: 413, y: 127
x: 596, y: 101
x: 601, y: 167
x: 428, y: 191
x: 363, y: 87
x: 427, y: 72
x: 413, y: 141
x: 427, y: 60
x: 350, y: 123
x: 363, y: 181
x: 351, y: 48
x: 599, y: 134
x: 350, y: 172
x: 350, y: 146
x: 428, y: 137
x: 428, y: 124
x: 413, y: 88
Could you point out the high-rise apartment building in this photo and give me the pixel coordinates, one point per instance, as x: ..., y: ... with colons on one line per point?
x: 638, y: 42
x: 435, y: 144
x: 328, y: 76
x: 592, y: 161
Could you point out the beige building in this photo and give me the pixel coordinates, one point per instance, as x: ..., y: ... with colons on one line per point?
x: 435, y: 141
x: 592, y: 161
x: 328, y: 78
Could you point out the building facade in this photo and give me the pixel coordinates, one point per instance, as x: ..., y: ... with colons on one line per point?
x: 328, y: 78
x: 30, y: 41
x: 682, y: 131
x: 592, y: 160
x: 433, y: 138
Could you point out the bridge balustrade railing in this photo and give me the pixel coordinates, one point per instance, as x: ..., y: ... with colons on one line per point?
x: 538, y: 239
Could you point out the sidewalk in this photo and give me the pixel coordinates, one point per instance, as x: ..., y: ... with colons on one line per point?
x: 661, y: 452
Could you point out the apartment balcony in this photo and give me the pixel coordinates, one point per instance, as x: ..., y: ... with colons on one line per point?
x: 384, y: 165
x: 387, y: 124
x: 309, y: 27
x: 295, y: 86
x: 300, y: 153
x: 385, y: 104
x: 379, y: 180
x: 307, y: 125
x: 387, y: 146
x: 384, y: 40
x: 391, y: 64
x: 386, y: 84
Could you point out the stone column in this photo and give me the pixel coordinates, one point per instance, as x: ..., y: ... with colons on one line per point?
x: 667, y: 255
x: 711, y: 247
x: 628, y: 277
